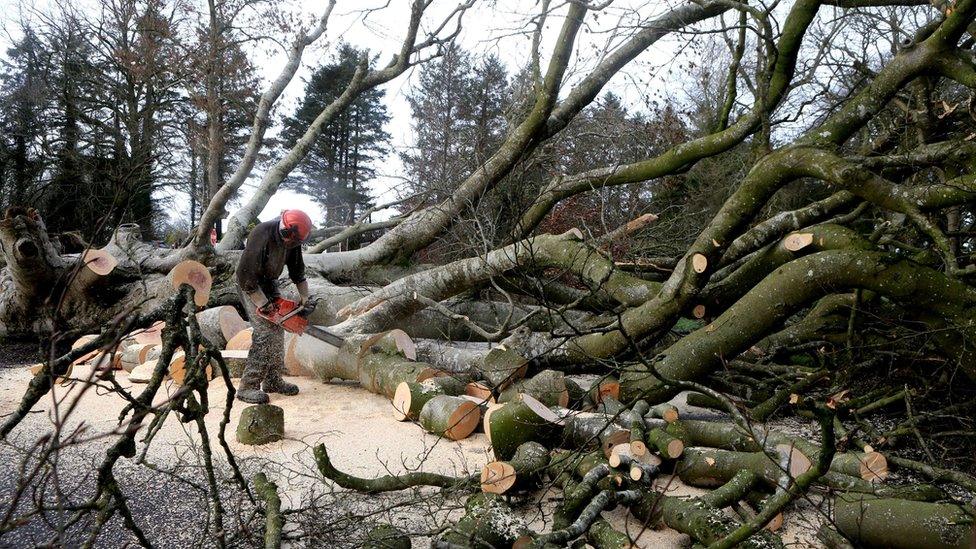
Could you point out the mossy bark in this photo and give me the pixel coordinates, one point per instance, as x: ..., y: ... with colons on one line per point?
x: 261, y: 424
x: 901, y: 524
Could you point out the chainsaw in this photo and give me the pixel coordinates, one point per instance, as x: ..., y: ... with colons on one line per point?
x: 294, y: 318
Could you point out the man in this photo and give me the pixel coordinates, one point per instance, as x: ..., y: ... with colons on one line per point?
x: 270, y: 247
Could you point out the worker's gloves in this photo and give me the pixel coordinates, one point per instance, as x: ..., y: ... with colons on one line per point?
x: 302, y: 288
x: 269, y: 308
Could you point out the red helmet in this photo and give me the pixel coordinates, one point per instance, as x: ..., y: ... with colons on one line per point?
x: 295, y: 225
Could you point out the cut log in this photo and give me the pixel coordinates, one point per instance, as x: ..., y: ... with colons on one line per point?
x: 410, y: 398
x: 502, y: 367
x: 479, y: 391
x: 708, y: 467
x: 795, y: 242
x: 487, y: 522
x: 99, y: 262
x: 195, y: 274
x: 241, y: 341
x: 603, y: 535
x: 716, y: 434
x: 292, y: 366
x: 699, y: 263
x: 83, y: 340
x: 524, y: 419
x: 668, y: 447
x: 450, y: 417
x: 902, y: 524
x: 136, y: 354
x: 584, y: 430
x: 218, y: 325
x: 376, y: 361
x: 261, y: 424
x: 235, y: 361
x: 607, y: 386
x: 152, y: 334
x: 699, y: 311
x: 666, y: 411
x: 578, y: 398
x: 871, y: 466
x: 95, y: 266
x: 177, y: 368
x: 522, y: 472
x: 548, y: 387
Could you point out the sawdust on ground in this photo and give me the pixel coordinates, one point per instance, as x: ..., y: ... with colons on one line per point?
x: 356, y: 426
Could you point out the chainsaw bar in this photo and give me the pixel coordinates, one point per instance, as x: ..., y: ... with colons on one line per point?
x: 328, y: 337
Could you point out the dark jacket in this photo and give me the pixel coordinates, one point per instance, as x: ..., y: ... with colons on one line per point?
x: 265, y: 256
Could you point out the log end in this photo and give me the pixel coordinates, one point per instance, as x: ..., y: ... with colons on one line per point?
x: 463, y: 421
x: 638, y: 447
x: 874, y: 466
x: 675, y: 448
x: 497, y: 477
x: 401, y: 401
x: 99, y: 262
x: 241, y: 341
x: 195, y: 274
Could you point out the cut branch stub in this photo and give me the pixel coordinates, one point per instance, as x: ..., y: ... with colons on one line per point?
x: 522, y: 420
x: 797, y: 241
x: 699, y: 311
x: 449, y: 416
x: 699, y: 263
x: 502, y: 367
x: 395, y: 341
x: 195, y: 274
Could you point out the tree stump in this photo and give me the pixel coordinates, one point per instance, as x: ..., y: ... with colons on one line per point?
x: 261, y: 424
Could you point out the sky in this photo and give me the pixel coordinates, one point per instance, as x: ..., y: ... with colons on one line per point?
x: 490, y: 27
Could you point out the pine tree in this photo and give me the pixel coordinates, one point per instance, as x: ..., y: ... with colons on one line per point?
x: 336, y: 172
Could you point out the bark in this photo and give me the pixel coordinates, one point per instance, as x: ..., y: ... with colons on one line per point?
x: 450, y: 417
x: 522, y: 420
x: 896, y: 523
x: 388, y: 306
x: 548, y: 387
x: 261, y: 424
x: 487, y: 523
x: 274, y: 520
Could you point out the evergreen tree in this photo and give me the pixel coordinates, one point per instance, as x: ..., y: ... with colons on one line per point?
x: 336, y: 171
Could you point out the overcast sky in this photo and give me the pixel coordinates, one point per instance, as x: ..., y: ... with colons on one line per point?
x: 497, y: 27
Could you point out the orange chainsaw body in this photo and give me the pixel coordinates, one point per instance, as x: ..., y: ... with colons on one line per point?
x: 290, y: 316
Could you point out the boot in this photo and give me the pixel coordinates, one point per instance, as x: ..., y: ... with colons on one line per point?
x: 274, y: 383
x: 249, y: 389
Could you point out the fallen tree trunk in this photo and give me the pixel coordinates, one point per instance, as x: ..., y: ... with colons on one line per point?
x: 902, y: 524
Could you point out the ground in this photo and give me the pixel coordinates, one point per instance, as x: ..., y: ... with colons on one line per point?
x: 357, y: 427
